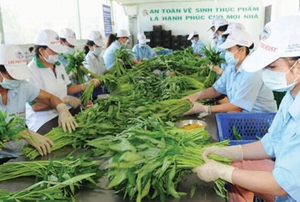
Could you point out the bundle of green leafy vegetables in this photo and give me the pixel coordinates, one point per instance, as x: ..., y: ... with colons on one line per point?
x: 140, y: 116
x: 55, y: 180
x: 10, y: 127
x: 150, y: 159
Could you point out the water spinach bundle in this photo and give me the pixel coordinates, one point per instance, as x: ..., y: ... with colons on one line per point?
x: 150, y: 159
x: 55, y: 180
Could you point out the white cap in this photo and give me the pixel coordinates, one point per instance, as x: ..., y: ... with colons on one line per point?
x: 237, y: 37
x: 233, y: 26
x: 142, y: 38
x: 14, y: 61
x: 212, y: 23
x: 280, y: 38
x: 96, y: 37
x: 69, y: 35
x: 50, y: 38
x: 192, y: 33
x: 122, y: 33
x: 219, y: 22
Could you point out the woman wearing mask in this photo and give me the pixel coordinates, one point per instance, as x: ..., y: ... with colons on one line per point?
x: 115, y: 41
x: 218, y: 27
x: 93, y: 49
x: 50, y: 75
x: 197, y: 44
x: 142, y: 51
x: 278, y: 55
x: 93, y: 59
x: 245, y: 91
x: 67, y: 38
x: 15, y: 92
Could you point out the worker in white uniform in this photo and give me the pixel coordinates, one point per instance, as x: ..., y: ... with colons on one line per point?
x: 93, y: 49
x: 94, y: 60
x: 68, y: 39
x: 15, y: 91
x: 50, y: 75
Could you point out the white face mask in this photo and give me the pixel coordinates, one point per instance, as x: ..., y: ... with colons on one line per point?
x: 52, y: 59
x: 276, y: 81
x: 97, y: 51
x: 70, y: 50
x: 8, y: 83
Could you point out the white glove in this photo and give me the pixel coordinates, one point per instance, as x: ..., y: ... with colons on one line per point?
x: 194, y: 97
x: 169, y: 73
x: 73, y: 101
x: 233, y: 152
x: 216, y: 68
x: 198, y: 108
x: 41, y: 143
x: 156, y: 71
x: 213, y: 170
x: 65, y: 119
x: 95, y: 81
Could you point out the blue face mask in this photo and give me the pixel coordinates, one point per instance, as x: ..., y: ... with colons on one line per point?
x: 229, y: 57
x: 9, y: 84
x: 193, y: 41
x: 221, y: 39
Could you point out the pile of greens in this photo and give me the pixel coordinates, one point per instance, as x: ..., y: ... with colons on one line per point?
x: 55, y: 180
x: 134, y: 127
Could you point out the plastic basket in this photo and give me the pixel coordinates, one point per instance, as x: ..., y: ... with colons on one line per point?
x: 251, y: 126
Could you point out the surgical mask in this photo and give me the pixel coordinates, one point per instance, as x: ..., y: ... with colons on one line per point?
x: 9, y: 84
x: 229, y: 57
x: 193, y: 41
x: 221, y: 39
x: 276, y: 81
x: 52, y: 59
x: 97, y: 51
x: 70, y: 50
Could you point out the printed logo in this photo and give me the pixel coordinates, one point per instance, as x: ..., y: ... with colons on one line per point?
x: 19, y: 55
x: 145, y: 12
x: 266, y: 33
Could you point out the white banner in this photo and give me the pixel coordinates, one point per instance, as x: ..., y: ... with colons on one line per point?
x: 182, y: 18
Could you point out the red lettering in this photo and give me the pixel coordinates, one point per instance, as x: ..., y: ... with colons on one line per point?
x: 267, y: 47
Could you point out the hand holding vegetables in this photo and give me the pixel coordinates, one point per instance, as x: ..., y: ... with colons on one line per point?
x: 216, y: 68
x: 233, y: 152
x: 213, y: 170
x: 41, y: 143
x: 198, y: 108
x: 94, y: 80
x: 65, y: 119
x: 194, y: 97
x: 73, y: 101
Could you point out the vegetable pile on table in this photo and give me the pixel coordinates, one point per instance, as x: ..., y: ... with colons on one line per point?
x: 133, y: 131
x: 55, y: 179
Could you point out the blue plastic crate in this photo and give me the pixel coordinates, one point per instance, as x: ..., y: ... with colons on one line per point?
x: 164, y: 52
x: 251, y: 126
